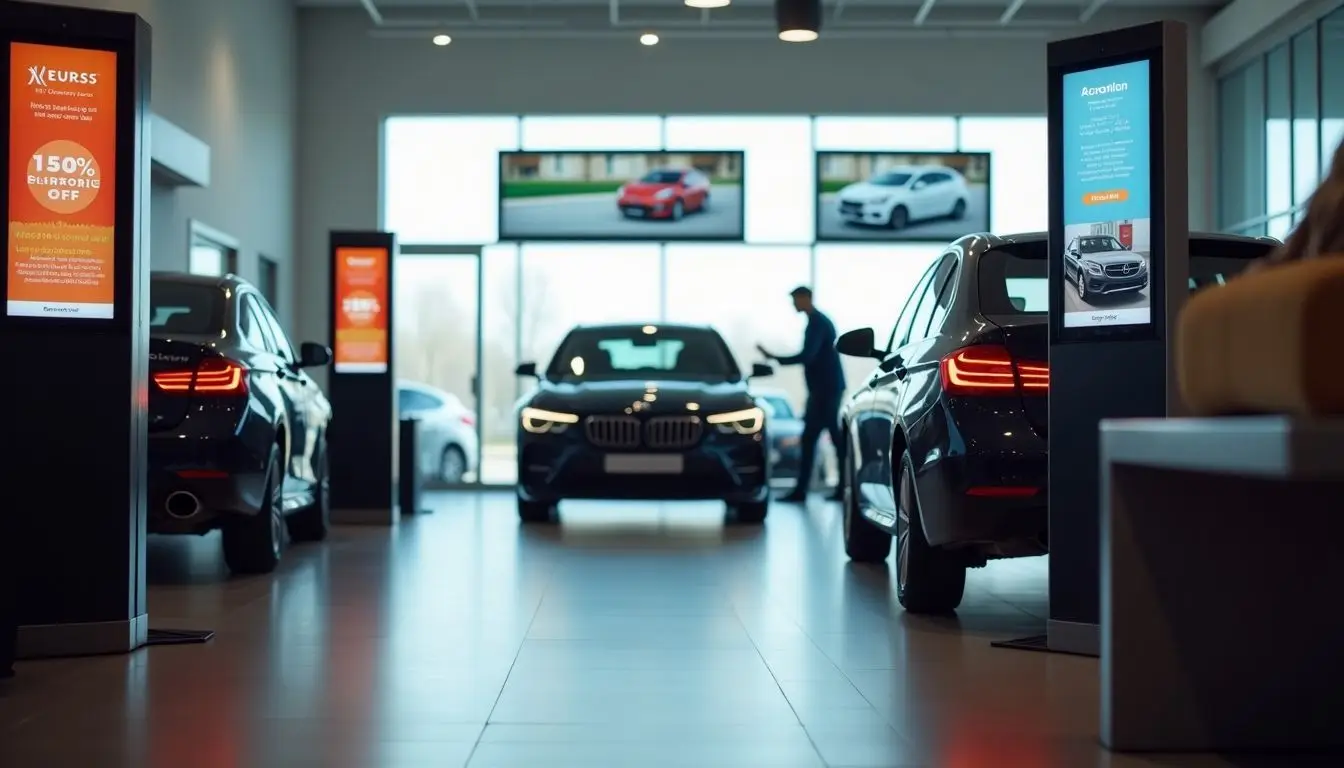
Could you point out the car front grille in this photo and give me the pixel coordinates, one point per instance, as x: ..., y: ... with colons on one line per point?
x: 1122, y: 270
x: 850, y: 207
x: 673, y: 432
x: 612, y: 431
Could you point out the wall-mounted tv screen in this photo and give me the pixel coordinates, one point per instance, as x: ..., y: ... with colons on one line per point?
x: 669, y: 195
x: 902, y: 196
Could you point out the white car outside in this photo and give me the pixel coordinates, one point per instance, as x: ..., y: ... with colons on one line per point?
x: 449, y: 445
x: 902, y: 195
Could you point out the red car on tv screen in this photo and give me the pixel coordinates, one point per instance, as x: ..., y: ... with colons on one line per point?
x: 666, y: 193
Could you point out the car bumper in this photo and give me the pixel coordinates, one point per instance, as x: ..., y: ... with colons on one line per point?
x: 226, y: 479
x: 646, y: 210
x: 735, y: 471
x: 1007, y: 526
x: 1107, y: 285
x: 864, y: 213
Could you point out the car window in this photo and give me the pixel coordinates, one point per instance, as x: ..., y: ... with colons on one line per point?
x: 412, y: 400
x: 937, y: 178
x: 193, y: 309
x: 901, y: 330
x: 626, y: 352
x: 946, y: 280
x: 252, y: 326
x: 282, y: 345
x: 924, y: 310
x: 779, y: 407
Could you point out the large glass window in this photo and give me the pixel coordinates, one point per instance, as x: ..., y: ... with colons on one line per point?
x: 500, y: 327
x: 1241, y: 129
x: 864, y: 285
x: 1332, y: 85
x: 441, y: 177
x: 778, y: 170
x: 743, y: 291
x: 1019, y: 186
x: 1279, y: 138
x: 1306, y: 112
x: 564, y: 285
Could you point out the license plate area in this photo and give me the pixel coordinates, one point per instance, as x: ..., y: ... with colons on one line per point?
x: 644, y: 463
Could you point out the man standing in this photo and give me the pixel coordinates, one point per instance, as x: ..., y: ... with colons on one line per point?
x: 825, y: 388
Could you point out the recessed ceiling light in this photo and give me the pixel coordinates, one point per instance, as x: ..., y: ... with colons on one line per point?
x: 798, y: 35
x: 442, y: 40
x: 799, y: 21
x: 648, y: 38
x: 709, y: 3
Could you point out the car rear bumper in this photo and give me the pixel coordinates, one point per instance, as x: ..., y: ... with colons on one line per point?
x: 733, y: 474
x: 225, y: 479
x: 964, y: 502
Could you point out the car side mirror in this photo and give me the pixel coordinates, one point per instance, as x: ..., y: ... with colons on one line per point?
x: 526, y: 369
x: 314, y: 355
x: 860, y: 342
x: 761, y: 370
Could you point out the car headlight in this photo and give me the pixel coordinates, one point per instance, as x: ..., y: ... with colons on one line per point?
x: 883, y: 200
x: 539, y: 421
x: 748, y: 421
x: 663, y: 194
x: 1092, y: 267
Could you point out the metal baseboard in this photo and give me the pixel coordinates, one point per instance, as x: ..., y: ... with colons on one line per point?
x: 41, y: 641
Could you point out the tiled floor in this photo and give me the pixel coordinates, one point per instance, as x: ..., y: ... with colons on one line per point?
x: 634, y: 636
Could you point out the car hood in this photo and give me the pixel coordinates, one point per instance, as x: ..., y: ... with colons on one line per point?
x: 1111, y: 257
x: 863, y: 191
x: 646, y: 188
x: 669, y: 397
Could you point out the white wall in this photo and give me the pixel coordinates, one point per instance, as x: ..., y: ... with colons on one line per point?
x: 352, y: 81
x: 225, y: 72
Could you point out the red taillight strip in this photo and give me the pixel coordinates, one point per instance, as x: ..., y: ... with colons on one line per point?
x: 213, y: 376
x: 991, y: 370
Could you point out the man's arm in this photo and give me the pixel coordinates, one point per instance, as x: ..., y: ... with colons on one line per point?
x: 812, y: 344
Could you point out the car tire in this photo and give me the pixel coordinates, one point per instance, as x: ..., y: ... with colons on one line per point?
x: 864, y: 542
x: 928, y: 580
x: 899, y: 217
x: 1078, y: 280
x: 751, y: 513
x: 313, y: 522
x: 536, y: 512
x: 959, y: 210
x: 678, y: 210
x: 252, y: 543
x: 452, y: 465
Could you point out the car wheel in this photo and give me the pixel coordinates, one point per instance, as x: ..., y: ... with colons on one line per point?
x: 751, y: 513
x: 927, y: 579
x: 313, y: 522
x: 536, y: 512
x: 252, y: 543
x: 899, y: 217
x: 1081, y: 284
x: 959, y: 210
x: 452, y: 465
x: 864, y: 542
x: 678, y: 210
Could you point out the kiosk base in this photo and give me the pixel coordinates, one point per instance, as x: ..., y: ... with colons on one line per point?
x: 37, y: 641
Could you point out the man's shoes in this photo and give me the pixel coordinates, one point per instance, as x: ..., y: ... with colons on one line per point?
x: 796, y: 496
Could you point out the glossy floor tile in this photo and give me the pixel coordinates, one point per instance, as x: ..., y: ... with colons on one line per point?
x: 631, y: 636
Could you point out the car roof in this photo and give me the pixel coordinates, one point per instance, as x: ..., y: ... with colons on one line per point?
x: 229, y: 281
x: 640, y: 326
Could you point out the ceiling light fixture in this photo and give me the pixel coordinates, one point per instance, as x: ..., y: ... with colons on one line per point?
x: 709, y: 3
x: 442, y: 40
x: 648, y: 38
x: 799, y: 20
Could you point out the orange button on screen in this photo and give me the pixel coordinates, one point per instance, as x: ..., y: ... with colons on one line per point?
x: 1108, y: 196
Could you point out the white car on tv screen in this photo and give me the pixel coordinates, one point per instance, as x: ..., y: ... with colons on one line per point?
x: 903, y: 195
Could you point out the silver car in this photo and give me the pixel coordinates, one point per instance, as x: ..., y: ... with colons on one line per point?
x: 449, y: 444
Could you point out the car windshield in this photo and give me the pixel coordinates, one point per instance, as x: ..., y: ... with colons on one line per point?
x: 779, y: 407
x: 1013, y: 279
x: 613, y: 354
x: 185, y: 308
x: 1099, y: 244
x: 890, y: 179
x: 662, y: 177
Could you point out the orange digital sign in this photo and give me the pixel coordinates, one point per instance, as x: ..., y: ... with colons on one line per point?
x: 361, y: 310
x: 62, y: 181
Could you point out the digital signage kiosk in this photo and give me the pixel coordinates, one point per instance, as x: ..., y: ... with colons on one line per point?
x: 1118, y: 240
x: 74, y: 327
x: 362, y: 388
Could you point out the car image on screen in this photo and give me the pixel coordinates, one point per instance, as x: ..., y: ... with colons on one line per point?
x: 903, y: 195
x: 666, y: 193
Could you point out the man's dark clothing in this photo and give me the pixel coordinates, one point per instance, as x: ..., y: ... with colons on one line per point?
x: 825, y: 390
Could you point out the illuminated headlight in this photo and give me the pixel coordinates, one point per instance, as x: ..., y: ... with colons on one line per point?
x: 663, y: 194
x: 744, y: 422
x: 1092, y: 267
x: 540, y: 422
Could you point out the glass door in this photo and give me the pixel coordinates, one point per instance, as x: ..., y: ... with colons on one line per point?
x: 437, y: 357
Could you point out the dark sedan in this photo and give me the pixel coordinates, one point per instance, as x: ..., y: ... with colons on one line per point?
x: 237, y: 435
x: 642, y: 412
x: 948, y: 439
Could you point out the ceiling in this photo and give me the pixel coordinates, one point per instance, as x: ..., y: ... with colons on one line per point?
x: 531, y: 19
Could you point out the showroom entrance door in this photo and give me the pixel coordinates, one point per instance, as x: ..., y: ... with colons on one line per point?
x: 438, y: 357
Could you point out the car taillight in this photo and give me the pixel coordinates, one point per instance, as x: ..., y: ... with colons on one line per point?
x: 213, y: 376
x: 991, y: 370
x: 467, y: 419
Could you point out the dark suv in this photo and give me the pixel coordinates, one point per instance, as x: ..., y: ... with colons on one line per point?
x: 1099, y: 265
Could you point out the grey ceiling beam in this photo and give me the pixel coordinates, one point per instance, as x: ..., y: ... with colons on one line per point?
x: 614, y: 12
x: 923, y: 13
x: 374, y: 15
x: 1011, y: 11
x: 473, y: 10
